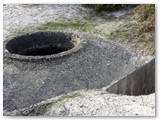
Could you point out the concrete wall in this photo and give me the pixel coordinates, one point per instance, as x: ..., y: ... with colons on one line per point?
x: 141, y: 81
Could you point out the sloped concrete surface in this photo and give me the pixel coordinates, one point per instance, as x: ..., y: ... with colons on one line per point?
x: 95, y: 65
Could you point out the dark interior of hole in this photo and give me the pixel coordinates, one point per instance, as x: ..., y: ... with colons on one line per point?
x: 40, y: 44
x: 47, y: 50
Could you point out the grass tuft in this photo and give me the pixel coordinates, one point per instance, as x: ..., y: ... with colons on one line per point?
x: 61, y: 25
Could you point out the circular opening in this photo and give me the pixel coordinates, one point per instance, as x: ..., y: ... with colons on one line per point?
x: 41, y: 43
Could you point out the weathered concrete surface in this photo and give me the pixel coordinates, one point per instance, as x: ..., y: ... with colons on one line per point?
x: 95, y: 65
x: 92, y: 103
x: 140, y: 81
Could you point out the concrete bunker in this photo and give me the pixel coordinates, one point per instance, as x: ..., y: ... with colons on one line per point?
x: 98, y: 63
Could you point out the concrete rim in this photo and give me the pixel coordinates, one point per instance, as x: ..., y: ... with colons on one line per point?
x: 81, y: 43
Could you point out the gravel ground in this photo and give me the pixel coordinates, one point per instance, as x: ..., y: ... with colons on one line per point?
x: 94, y: 103
x: 101, y: 104
x: 17, y: 16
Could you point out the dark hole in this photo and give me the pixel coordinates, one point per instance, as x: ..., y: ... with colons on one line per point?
x: 48, y: 50
x: 41, y: 44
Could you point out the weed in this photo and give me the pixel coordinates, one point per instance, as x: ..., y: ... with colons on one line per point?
x: 145, y: 17
x: 108, y: 7
x: 60, y: 25
x: 85, y: 27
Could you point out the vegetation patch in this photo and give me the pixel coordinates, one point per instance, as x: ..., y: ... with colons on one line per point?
x: 145, y: 17
x: 139, y: 28
x: 61, y: 25
x: 141, y: 40
x: 84, y: 27
x: 67, y: 25
x: 108, y: 7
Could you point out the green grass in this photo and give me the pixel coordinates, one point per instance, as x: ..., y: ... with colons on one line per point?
x: 61, y: 25
x: 118, y: 34
x: 84, y: 27
x: 127, y: 34
x: 51, y: 26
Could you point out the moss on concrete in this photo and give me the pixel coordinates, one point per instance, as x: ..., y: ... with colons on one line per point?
x: 41, y: 109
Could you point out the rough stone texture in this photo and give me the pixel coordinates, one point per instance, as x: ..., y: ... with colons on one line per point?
x: 140, y: 81
x: 92, y: 103
x: 17, y: 16
x: 95, y: 65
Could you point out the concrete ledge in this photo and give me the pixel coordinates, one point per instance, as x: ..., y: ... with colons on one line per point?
x: 140, y: 81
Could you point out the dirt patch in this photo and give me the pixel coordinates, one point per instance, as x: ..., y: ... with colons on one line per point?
x: 109, y: 27
x: 92, y: 103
